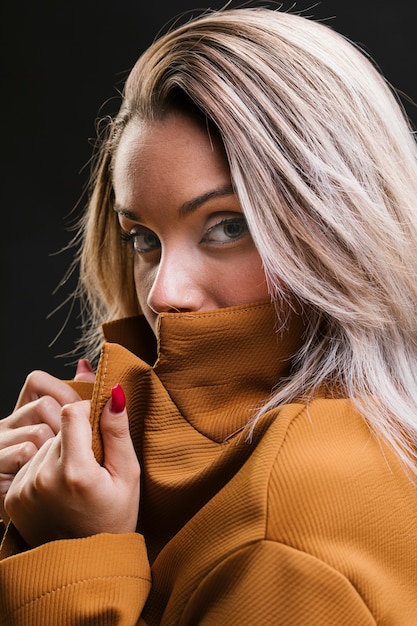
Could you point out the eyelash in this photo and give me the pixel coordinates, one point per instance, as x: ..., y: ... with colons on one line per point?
x: 240, y: 221
x: 126, y: 237
x: 130, y: 238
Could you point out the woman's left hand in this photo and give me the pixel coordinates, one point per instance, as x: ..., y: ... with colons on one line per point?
x: 63, y: 493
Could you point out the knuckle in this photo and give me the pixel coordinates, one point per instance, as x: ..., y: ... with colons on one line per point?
x: 120, y: 432
x: 73, y: 478
x: 44, y: 480
x: 74, y: 482
x: 12, y: 458
x: 25, y: 452
x: 33, y: 380
x: 45, y: 406
x: 40, y: 433
x: 72, y: 410
x: 16, y: 498
x: 48, y: 413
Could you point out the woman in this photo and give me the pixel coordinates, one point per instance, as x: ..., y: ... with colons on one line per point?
x: 253, y: 211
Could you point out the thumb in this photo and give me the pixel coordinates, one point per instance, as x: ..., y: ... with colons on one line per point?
x: 119, y: 453
x: 84, y: 371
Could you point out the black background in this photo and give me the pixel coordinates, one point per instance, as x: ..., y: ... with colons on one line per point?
x: 62, y: 64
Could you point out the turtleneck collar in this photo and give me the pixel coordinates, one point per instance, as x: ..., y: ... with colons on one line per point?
x: 219, y: 367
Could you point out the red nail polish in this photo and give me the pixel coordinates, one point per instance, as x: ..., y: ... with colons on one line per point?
x: 118, y: 399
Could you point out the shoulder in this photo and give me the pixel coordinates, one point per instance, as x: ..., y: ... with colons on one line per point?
x: 332, y: 475
x: 329, y: 431
x: 322, y: 431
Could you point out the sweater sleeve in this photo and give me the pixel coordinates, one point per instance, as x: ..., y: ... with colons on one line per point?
x: 103, y: 579
x: 271, y: 583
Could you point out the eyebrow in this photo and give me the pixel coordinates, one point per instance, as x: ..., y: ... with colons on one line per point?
x: 195, y: 203
x: 187, y: 207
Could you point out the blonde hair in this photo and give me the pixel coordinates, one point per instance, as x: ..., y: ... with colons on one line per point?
x: 324, y: 163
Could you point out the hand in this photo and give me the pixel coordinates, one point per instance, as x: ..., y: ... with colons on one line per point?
x: 64, y: 493
x: 35, y: 420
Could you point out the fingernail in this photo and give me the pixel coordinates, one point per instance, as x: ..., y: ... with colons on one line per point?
x: 118, y: 399
x: 84, y: 366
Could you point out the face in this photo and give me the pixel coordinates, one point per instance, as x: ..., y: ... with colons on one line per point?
x: 176, y: 208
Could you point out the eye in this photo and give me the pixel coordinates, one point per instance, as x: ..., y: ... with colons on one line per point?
x: 226, y: 230
x: 142, y: 240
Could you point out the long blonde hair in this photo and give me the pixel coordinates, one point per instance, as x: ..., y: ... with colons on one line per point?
x: 324, y: 163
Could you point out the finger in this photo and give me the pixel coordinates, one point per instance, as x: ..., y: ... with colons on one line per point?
x: 84, y: 371
x: 25, y: 479
x: 34, y: 433
x: 44, y: 410
x: 119, y: 454
x: 40, y: 384
x: 43, y: 468
x: 13, y: 458
x: 76, y: 434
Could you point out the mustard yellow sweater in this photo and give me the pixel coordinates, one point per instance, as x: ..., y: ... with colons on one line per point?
x: 314, y: 523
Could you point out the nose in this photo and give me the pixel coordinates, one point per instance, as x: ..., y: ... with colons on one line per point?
x: 177, y: 286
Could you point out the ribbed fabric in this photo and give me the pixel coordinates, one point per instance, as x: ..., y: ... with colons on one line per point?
x: 99, y: 580
x: 313, y: 523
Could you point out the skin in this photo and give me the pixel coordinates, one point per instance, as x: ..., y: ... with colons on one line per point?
x: 52, y: 486
x: 173, y: 195
x: 192, y: 252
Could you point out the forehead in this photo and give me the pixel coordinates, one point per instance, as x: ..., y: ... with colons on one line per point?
x: 175, y: 132
x: 170, y: 155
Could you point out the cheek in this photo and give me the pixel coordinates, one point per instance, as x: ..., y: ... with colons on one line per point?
x: 249, y: 283
x: 254, y: 283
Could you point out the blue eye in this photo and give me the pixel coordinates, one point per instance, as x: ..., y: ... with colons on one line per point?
x: 227, y: 230
x: 142, y: 240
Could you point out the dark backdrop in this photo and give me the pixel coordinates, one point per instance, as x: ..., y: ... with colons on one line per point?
x: 63, y: 63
